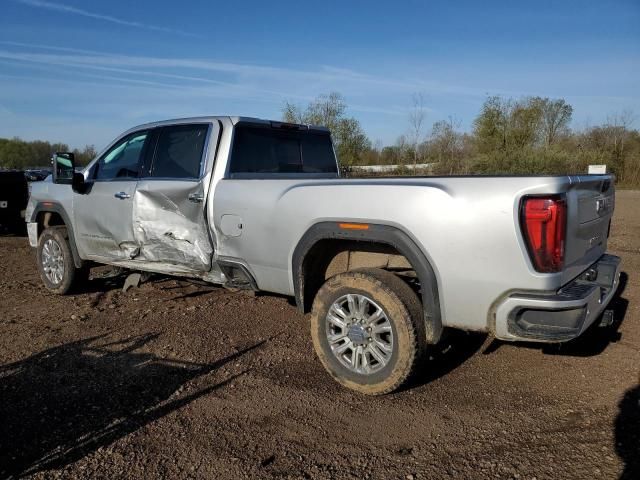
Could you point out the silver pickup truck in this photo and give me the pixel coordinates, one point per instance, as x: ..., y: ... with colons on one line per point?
x: 383, y: 265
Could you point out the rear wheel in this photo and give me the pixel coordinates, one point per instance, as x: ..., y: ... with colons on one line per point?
x: 55, y: 262
x: 366, y: 330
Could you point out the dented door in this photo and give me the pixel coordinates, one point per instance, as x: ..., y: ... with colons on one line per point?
x: 169, y: 225
x: 168, y: 207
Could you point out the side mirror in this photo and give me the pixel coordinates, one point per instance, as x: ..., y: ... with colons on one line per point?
x: 64, y: 171
x: 78, y: 184
x: 64, y: 167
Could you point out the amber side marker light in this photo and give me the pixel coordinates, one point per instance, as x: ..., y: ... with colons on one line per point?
x: 354, y: 226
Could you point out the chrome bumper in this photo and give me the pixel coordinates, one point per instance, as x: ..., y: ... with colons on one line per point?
x: 564, y: 315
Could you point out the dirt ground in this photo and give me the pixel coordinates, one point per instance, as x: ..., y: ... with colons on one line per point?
x: 175, y: 380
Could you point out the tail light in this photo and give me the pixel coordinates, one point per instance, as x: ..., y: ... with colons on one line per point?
x: 544, y: 226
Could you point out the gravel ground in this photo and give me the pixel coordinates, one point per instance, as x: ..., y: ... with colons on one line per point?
x: 175, y: 380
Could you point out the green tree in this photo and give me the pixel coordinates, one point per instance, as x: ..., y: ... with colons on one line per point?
x: 524, y: 123
x: 556, y: 116
x: 329, y: 111
x: 509, y: 125
x: 491, y: 126
x: 20, y: 154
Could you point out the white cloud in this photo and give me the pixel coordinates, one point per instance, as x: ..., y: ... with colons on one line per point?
x: 116, y: 89
x: 284, y: 82
x: 60, y: 7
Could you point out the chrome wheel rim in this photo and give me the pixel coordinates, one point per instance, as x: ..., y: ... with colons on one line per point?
x: 359, y: 334
x: 52, y: 261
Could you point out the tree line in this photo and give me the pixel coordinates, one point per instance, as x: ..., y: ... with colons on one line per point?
x: 20, y: 154
x: 530, y: 135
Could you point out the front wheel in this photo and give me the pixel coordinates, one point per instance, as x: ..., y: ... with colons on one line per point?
x: 366, y: 330
x: 55, y: 262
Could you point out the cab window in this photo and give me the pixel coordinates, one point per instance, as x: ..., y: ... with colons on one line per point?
x: 264, y: 151
x: 179, y: 152
x: 123, y: 159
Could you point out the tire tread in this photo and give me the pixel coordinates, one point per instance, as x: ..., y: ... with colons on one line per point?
x: 395, y: 288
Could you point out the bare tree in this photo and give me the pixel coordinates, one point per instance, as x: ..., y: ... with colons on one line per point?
x: 403, y: 149
x: 617, y: 127
x: 556, y: 115
x: 416, y: 120
x: 292, y: 113
x: 446, y: 143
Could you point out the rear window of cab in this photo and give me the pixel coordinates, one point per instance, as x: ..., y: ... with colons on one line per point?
x: 272, y: 152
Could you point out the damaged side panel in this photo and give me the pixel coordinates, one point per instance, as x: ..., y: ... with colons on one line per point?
x: 155, y: 223
x: 169, y: 224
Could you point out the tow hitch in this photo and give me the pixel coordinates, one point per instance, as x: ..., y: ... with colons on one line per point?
x: 607, y: 319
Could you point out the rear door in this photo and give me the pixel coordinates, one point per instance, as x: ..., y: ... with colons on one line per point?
x: 591, y: 200
x: 169, y: 206
x: 103, y: 214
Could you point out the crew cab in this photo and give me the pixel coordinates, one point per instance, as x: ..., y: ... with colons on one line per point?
x: 383, y: 265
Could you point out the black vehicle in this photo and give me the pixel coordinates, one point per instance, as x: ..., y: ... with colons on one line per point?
x: 14, y: 194
x: 37, y: 174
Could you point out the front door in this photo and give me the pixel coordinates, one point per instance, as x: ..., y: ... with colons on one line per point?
x: 104, y: 213
x: 169, y: 205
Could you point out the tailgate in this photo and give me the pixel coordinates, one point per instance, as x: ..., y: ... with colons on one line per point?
x: 590, y: 204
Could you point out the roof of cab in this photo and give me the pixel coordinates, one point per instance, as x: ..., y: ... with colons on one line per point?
x: 234, y: 120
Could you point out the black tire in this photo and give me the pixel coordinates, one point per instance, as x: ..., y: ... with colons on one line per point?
x: 403, y: 311
x: 72, y: 277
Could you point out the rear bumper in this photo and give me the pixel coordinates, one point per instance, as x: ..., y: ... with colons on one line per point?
x: 563, y: 315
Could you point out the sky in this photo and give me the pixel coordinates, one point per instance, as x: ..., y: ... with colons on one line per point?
x: 81, y: 72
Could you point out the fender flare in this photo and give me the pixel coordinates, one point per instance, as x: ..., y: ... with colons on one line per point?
x: 381, y: 234
x: 52, y: 207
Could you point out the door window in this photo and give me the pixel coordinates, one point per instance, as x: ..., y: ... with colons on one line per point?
x: 179, y: 153
x: 122, y: 160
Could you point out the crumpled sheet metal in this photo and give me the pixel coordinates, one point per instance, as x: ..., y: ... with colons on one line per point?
x: 165, y: 234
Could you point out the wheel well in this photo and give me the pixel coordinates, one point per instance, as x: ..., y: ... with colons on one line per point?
x: 330, y: 257
x: 48, y: 219
x: 56, y: 218
x: 327, y: 248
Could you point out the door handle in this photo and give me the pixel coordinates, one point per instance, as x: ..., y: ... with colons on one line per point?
x: 196, y: 197
x: 122, y: 195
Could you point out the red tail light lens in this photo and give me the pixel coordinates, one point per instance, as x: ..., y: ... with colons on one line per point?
x: 544, y: 226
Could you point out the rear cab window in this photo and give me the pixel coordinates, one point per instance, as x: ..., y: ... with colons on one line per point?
x: 267, y: 152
